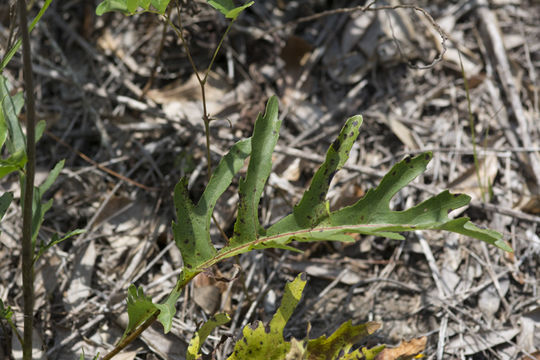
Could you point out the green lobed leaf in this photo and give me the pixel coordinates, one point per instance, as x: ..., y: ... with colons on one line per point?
x: 313, y: 207
x: 263, y: 141
x: 192, y: 228
x: 201, y: 335
x: 260, y: 342
x: 140, y: 308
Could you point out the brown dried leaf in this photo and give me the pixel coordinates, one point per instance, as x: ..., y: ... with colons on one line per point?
x: 404, y: 351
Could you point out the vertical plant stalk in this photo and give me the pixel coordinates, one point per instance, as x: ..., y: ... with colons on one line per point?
x: 27, y: 248
x: 471, y: 125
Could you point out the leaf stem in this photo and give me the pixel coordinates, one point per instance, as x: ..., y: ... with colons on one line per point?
x: 134, y: 335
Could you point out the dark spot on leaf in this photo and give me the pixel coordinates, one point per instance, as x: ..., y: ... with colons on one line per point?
x: 412, y: 167
x: 393, y: 173
x: 407, y: 159
x: 189, y: 266
x: 331, y: 177
x: 321, y: 196
x: 253, y: 326
x: 355, y: 123
x: 267, y: 328
x: 336, y: 144
x: 351, y: 134
x: 456, y: 195
x: 186, y: 241
x: 428, y: 156
x: 362, y: 217
x: 309, y: 217
x: 303, y: 276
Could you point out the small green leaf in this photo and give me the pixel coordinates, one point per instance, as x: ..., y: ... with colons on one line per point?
x: 160, y: 5
x: 227, y: 7
x: 201, y: 334
x: 40, y: 129
x: 140, y: 308
x: 56, y: 240
x: 168, y: 309
x: 13, y: 163
x: 5, y: 312
x: 112, y: 5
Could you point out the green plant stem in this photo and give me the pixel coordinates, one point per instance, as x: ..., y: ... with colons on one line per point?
x: 183, y: 280
x: 216, y: 51
x: 27, y: 248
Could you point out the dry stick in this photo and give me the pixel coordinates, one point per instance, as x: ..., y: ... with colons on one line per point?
x: 27, y: 248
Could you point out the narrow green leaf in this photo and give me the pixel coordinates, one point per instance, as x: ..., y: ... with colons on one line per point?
x: 263, y: 141
x: 40, y: 129
x: 201, y: 334
x: 222, y: 177
x: 140, y: 308
x: 51, y: 178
